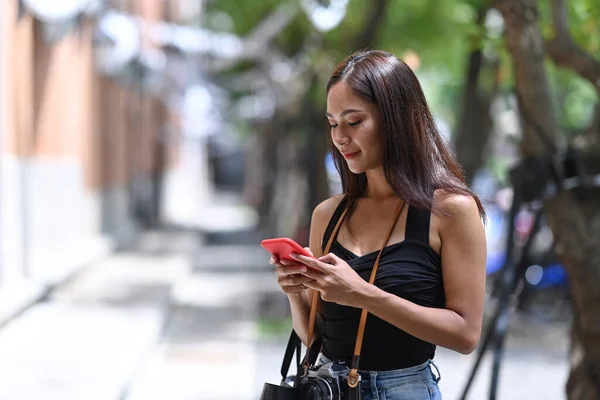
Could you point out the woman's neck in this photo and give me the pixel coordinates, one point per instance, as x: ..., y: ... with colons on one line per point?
x: 378, y: 188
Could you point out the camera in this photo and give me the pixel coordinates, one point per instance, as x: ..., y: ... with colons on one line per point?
x: 329, y: 382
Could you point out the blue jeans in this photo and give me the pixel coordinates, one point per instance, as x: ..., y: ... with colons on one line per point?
x: 413, y: 383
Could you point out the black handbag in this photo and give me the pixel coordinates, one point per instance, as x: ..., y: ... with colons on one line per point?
x: 287, y: 389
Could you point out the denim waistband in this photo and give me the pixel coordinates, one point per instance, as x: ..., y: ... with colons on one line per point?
x: 397, y: 375
x: 421, y: 371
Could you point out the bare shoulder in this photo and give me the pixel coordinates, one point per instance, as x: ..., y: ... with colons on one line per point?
x: 325, y: 210
x: 454, y: 204
x: 455, y: 210
x: 320, y: 218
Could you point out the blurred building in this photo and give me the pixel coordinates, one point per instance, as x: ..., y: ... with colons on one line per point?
x: 82, y: 152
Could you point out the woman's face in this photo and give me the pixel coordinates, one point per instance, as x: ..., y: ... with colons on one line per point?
x: 355, y: 128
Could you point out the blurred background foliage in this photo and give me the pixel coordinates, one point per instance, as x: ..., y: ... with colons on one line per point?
x: 444, y: 42
x: 440, y: 34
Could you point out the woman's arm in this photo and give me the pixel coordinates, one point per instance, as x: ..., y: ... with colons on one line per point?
x: 300, y: 303
x: 300, y: 308
x: 458, y: 326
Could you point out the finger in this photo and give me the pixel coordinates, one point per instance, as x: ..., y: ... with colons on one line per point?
x: 294, y: 283
x: 311, y: 262
x: 303, y: 280
x: 294, y: 270
x: 296, y: 280
x: 309, y: 250
x: 313, y: 284
x: 274, y: 259
x: 330, y: 258
x: 293, y: 289
x: 276, y: 265
x: 289, y: 262
x: 282, y: 270
x: 313, y: 273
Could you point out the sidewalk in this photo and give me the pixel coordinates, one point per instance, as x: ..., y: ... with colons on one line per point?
x: 88, y: 339
x: 209, y: 347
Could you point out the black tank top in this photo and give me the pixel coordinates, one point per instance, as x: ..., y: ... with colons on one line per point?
x: 410, y: 269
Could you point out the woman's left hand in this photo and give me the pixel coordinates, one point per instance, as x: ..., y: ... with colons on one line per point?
x: 333, y: 278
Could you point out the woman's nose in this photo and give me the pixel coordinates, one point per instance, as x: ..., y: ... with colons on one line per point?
x: 339, y: 137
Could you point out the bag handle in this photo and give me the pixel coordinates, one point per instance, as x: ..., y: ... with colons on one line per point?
x: 353, y: 376
x: 315, y: 298
x: 294, y: 345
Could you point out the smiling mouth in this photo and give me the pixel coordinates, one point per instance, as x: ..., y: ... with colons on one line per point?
x: 350, y: 155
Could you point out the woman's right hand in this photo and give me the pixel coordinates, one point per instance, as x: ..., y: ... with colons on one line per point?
x: 289, y: 275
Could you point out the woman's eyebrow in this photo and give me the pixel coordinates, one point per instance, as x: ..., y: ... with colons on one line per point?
x: 345, y: 112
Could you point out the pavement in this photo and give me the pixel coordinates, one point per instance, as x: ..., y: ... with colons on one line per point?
x: 89, y: 337
x: 178, y: 317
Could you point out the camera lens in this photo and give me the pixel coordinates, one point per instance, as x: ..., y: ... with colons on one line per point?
x: 319, y: 389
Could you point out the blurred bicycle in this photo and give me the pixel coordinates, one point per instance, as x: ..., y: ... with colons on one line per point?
x: 543, y: 292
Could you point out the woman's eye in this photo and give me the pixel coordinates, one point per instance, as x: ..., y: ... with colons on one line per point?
x: 354, y: 123
x: 332, y: 126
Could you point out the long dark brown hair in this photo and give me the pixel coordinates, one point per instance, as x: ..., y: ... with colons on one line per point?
x: 416, y: 159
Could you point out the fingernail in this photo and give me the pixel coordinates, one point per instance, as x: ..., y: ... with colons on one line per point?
x: 293, y: 255
x: 302, y: 269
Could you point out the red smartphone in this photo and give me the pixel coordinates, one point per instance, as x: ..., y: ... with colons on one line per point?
x: 282, y: 247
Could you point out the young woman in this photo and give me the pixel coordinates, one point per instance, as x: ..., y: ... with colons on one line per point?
x: 430, y: 284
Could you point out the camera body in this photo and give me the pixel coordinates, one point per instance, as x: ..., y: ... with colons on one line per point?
x: 329, y: 382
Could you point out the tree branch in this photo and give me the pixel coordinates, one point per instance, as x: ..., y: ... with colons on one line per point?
x: 593, y: 131
x: 559, y: 17
x: 367, y: 37
x: 270, y: 27
x: 595, y: 125
x: 565, y: 52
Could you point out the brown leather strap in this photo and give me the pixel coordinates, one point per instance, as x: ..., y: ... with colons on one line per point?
x: 315, y: 297
x: 353, y: 377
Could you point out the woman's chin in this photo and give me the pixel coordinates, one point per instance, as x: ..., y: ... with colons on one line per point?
x: 361, y: 169
x: 356, y: 170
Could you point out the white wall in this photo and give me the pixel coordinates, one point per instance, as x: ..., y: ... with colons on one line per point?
x: 2, y: 116
x: 52, y: 224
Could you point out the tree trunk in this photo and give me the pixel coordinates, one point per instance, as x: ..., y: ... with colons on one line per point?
x: 321, y: 184
x: 314, y: 164
x: 368, y: 35
x: 475, y: 124
x: 273, y: 133
x: 575, y: 221
x: 593, y: 132
x: 573, y: 216
x: 525, y: 43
